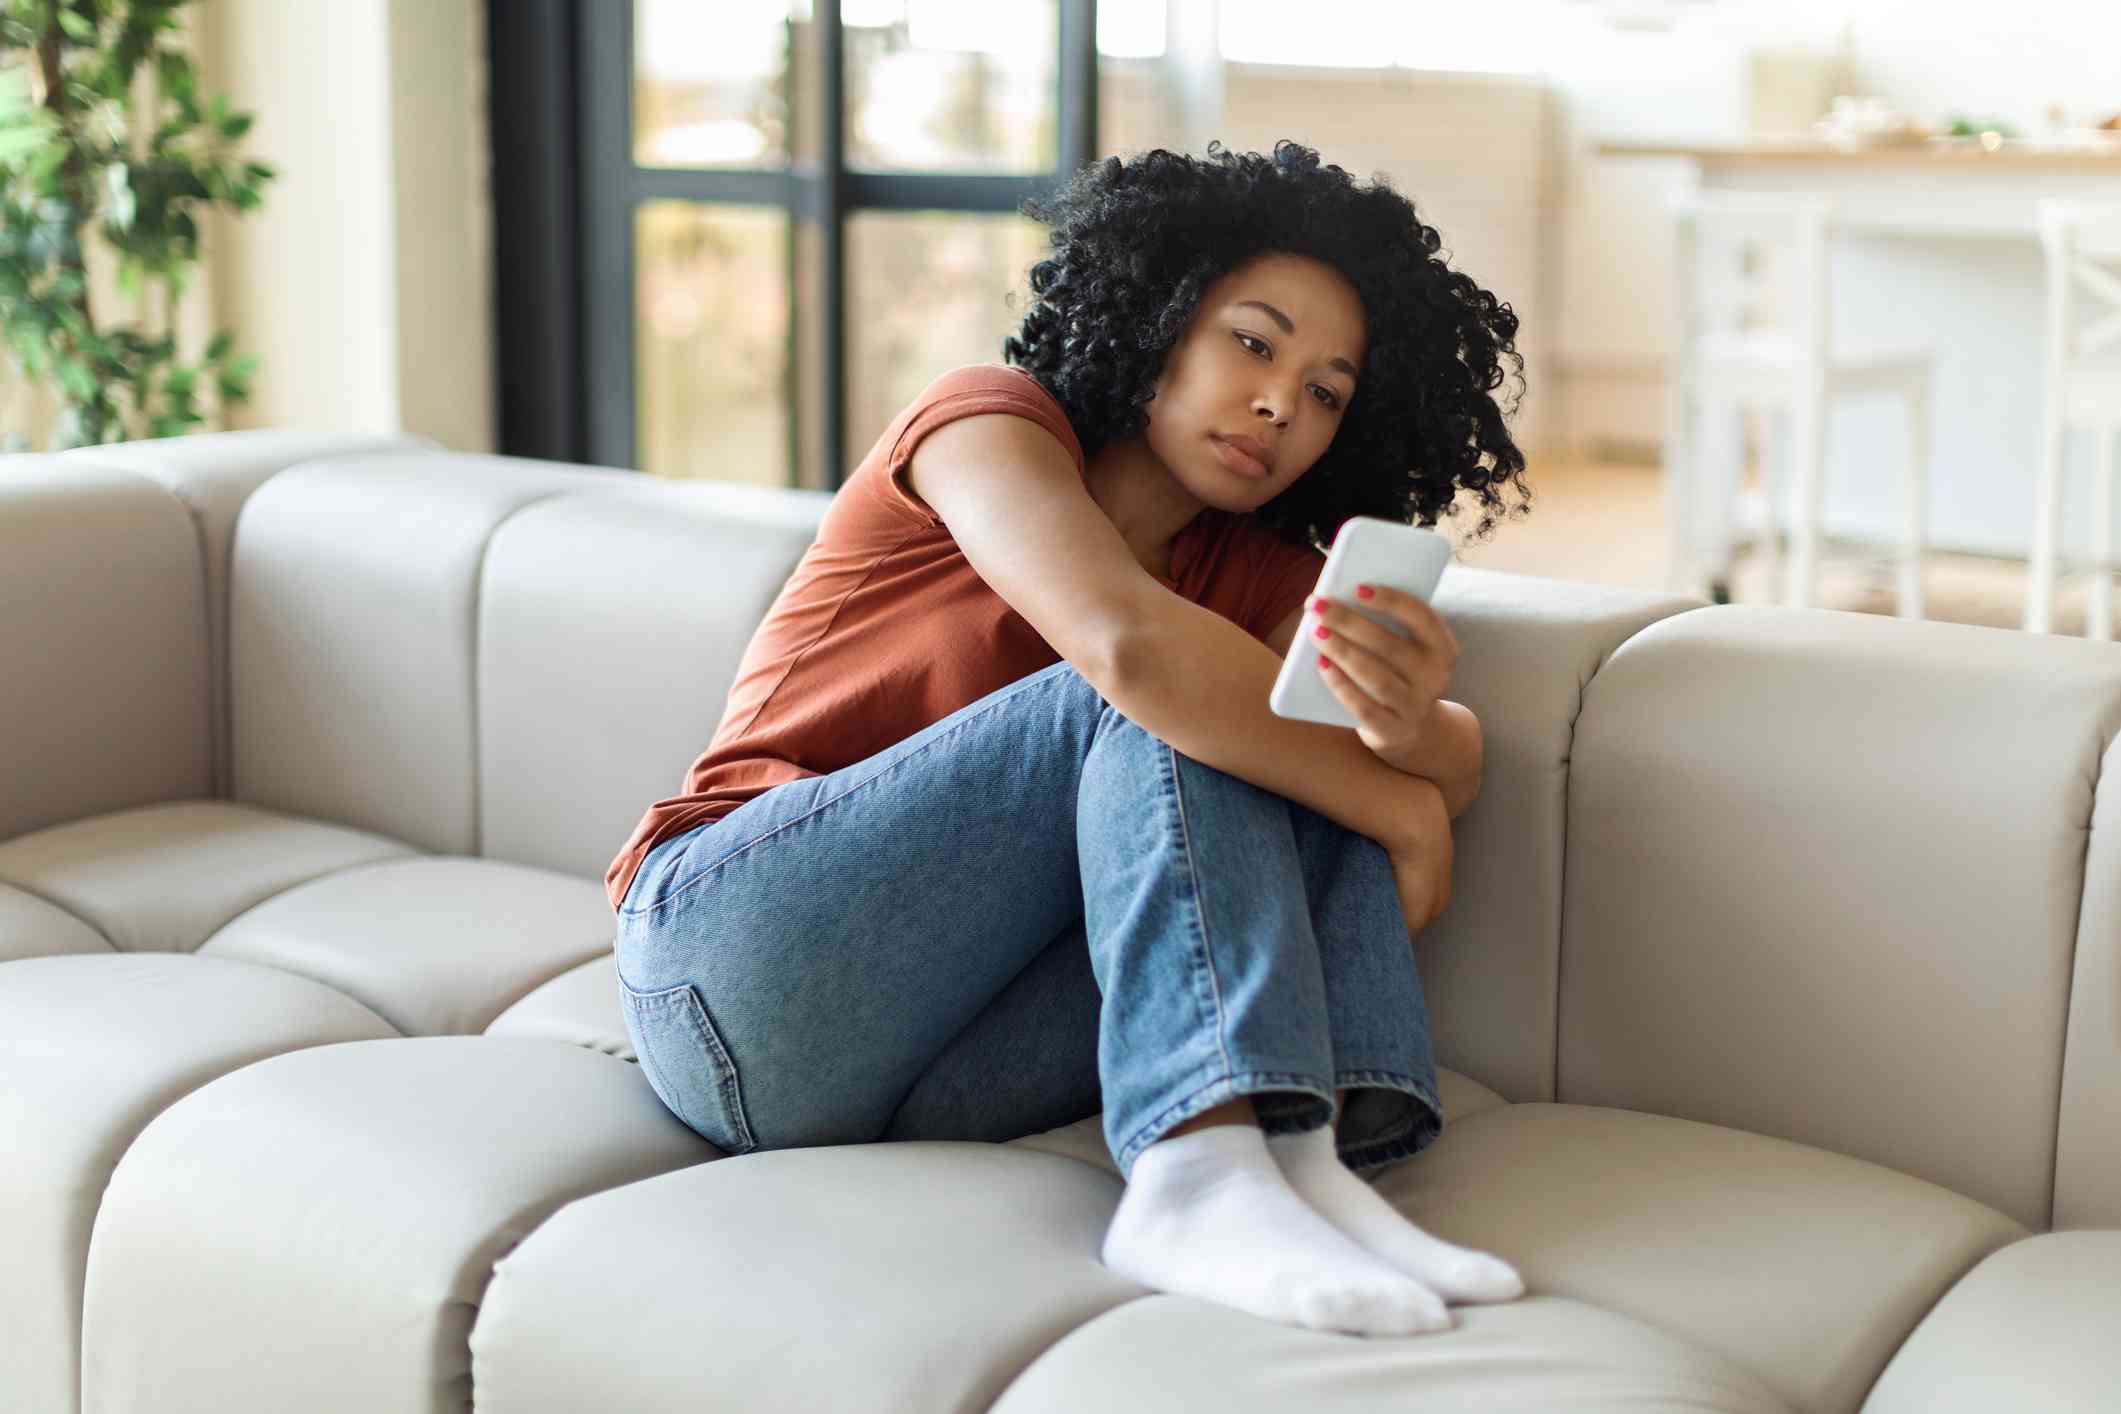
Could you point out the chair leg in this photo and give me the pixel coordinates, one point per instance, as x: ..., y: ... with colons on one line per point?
x: 2047, y: 507
x: 1774, y: 477
x: 1719, y: 462
x: 1915, y: 485
x: 1680, y: 472
x: 2099, y: 605
x: 1808, y: 478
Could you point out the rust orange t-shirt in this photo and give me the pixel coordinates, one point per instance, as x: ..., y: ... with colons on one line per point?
x: 885, y: 628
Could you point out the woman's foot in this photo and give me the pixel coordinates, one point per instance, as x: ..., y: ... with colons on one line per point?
x: 1208, y: 1214
x: 1311, y: 1164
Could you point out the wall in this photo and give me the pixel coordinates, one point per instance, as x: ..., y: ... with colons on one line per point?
x: 308, y: 280
x: 443, y: 216
x: 362, y: 283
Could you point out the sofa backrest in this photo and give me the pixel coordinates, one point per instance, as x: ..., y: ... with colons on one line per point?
x: 212, y: 474
x: 1825, y: 880
x: 103, y: 657
x: 610, y: 627
x: 353, y: 628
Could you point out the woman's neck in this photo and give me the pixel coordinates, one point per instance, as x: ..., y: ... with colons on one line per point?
x: 1141, y: 498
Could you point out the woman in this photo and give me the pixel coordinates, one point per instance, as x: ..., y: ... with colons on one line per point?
x: 997, y: 829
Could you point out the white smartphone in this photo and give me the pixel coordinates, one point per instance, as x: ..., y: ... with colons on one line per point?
x: 1367, y: 550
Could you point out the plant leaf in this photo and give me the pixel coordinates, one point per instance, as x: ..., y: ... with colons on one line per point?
x: 76, y: 379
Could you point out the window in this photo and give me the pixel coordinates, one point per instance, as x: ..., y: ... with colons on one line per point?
x: 734, y: 239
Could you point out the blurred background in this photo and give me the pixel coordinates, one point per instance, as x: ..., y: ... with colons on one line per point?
x: 731, y: 239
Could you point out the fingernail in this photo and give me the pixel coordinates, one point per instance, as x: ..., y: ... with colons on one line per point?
x: 1364, y: 591
x: 1323, y: 632
x: 1321, y: 604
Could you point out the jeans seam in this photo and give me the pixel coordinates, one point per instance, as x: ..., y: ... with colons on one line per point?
x: 685, y: 887
x: 1200, y: 913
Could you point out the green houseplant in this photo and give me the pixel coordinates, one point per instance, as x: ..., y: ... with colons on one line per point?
x: 80, y: 157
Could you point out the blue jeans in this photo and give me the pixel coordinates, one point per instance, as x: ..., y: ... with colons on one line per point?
x: 1024, y: 912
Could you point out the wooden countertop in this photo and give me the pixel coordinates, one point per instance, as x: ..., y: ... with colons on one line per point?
x: 2101, y: 154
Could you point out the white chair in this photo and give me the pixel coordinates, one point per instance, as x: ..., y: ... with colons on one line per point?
x: 1730, y: 355
x: 2082, y: 243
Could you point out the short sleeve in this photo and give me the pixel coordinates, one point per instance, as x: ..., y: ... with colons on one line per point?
x: 971, y: 391
x: 1286, y: 579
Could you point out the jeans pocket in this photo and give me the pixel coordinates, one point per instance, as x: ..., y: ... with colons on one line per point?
x: 686, y: 1063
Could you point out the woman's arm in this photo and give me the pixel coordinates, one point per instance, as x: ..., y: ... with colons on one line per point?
x: 1194, y: 679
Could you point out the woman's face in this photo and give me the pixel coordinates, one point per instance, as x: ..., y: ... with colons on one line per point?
x: 1269, y: 359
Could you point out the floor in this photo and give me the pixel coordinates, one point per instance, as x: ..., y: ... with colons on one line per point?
x: 1603, y: 522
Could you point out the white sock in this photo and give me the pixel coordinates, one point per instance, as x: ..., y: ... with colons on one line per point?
x: 1312, y: 1167
x: 1207, y: 1214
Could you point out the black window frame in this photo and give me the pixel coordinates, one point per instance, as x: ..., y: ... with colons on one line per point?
x: 566, y: 187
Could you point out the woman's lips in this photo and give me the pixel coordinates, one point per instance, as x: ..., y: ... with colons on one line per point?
x: 1241, y: 462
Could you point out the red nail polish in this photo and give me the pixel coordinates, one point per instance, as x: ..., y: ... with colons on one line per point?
x: 1364, y: 591
x: 1324, y: 661
x: 1323, y: 632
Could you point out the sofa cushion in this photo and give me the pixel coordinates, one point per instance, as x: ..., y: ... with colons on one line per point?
x: 103, y: 663
x: 352, y: 614
x: 92, y: 1049
x: 1817, y: 861
x: 894, y: 1276
x: 1488, y: 965
x: 1805, y: 1267
x: 579, y: 1007
x: 165, y: 878
x: 938, y: 1275
x: 2088, y: 1144
x: 437, y: 946
x: 2033, y: 1327
x: 1535, y: 1355
x: 339, y: 1211
x: 30, y: 927
x: 211, y: 474
x: 612, y: 621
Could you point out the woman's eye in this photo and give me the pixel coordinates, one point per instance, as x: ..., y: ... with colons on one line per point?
x: 1331, y: 399
x: 1248, y: 341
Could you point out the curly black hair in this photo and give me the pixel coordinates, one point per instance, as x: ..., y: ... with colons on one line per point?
x: 1136, y: 242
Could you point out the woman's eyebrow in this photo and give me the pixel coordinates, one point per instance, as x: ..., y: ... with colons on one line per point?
x: 1287, y: 327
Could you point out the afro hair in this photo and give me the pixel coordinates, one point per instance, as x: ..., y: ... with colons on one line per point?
x: 1135, y: 243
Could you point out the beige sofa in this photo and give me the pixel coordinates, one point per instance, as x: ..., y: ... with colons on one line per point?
x: 1779, y: 996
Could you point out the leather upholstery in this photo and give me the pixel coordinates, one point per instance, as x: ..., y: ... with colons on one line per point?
x: 1775, y: 1007
x: 212, y: 474
x: 103, y: 699
x: 1877, y: 918
x: 2031, y: 1327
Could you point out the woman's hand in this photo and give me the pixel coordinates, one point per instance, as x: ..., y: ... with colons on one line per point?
x: 1422, y: 856
x: 1391, y: 684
